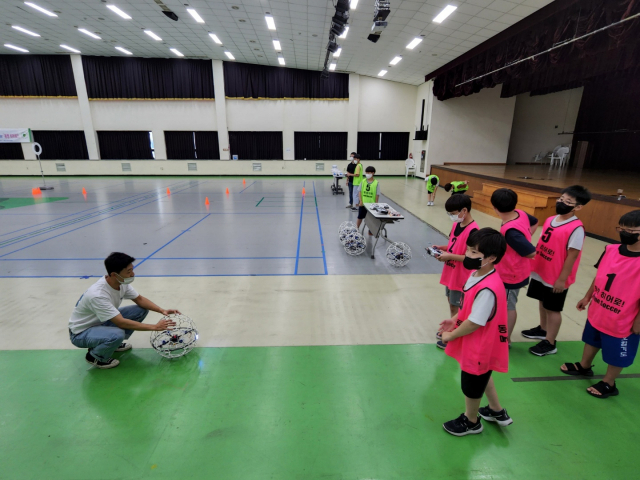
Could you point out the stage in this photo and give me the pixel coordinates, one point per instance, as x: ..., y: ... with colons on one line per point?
x: 600, y: 216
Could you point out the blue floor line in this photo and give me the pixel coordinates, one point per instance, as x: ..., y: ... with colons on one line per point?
x: 324, y: 258
x: 83, y: 226
x: 299, y: 232
x: 246, y: 187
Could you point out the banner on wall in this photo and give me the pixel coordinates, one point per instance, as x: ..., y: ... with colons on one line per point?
x: 15, y: 135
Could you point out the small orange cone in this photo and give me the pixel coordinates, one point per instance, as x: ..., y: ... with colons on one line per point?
x: 244, y: 182
x: 206, y: 201
x: 227, y: 191
x: 37, y: 191
x: 84, y: 192
x: 303, y: 191
x: 168, y: 191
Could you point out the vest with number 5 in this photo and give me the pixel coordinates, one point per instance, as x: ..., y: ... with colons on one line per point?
x: 369, y: 191
x: 551, y: 251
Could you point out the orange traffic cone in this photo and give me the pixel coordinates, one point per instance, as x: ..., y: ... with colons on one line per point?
x: 244, y: 182
x: 168, y: 191
x: 227, y: 191
x: 37, y: 191
x: 303, y: 191
x: 84, y: 192
x: 206, y: 201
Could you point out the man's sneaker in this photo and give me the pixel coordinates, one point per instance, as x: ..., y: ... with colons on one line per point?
x: 536, y: 332
x: 111, y: 363
x: 461, y: 426
x: 349, y: 206
x: 124, y: 347
x: 441, y: 344
x: 501, y: 417
x: 543, y: 348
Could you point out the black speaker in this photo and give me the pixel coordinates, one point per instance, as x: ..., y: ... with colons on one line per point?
x: 171, y: 15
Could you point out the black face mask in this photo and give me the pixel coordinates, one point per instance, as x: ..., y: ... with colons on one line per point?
x: 627, y: 238
x: 562, y: 208
x: 472, y: 263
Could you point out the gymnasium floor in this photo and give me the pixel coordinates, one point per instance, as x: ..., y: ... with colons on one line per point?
x: 313, y: 364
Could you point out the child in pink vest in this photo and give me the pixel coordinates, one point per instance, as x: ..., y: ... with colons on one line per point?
x: 454, y: 275
x: 517, y: 228
x: 554, y: 269
x: 477, y: 336
x: 613, y: 319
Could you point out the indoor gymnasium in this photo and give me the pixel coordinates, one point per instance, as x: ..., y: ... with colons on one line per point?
x: 311, y: 239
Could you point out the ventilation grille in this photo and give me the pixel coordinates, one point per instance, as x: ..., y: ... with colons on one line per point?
x: 319, y: 167
x: 192, y: 167
x: 60, y: 167
x: 126, y: 167
x: 257, y: 167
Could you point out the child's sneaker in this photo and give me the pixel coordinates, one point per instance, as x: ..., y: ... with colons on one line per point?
x: 111, y: 363
x: 500, y: 417
x: 544, y: 348
x: 441, y: 344
x: 438, y: 335
x: 537, y: 332
x: 461, y: 426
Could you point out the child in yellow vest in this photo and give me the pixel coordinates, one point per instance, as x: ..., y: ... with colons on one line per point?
x: 369, y: 193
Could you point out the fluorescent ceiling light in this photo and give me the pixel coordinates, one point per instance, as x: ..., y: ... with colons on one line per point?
x: 382, y: 73
x: 344, y: 35
x: 337, y: 53
x: 24, y: 30
x: 153, y: 35
x: 115, y: 9
x: 70, y: 49
x: 40, y: 9
x: 215, y: 38
x: 395, y: 60
x: 195, y: 15
x: 124, y: 50
x: 228, y: 54
x: 353, y: 4
x: 332, y: 66
x: 281, y: 60
x: 177, y: 52
x: 13, y: 47
x: 91, y: 34
x: 448, y: 10
x: 414, y: 43
x: 276, y: 45
x: 271, y: 24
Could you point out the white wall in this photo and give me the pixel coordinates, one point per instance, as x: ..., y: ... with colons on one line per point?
x: 386, y: 106
x: 473, y: 129
x: 538, y: 121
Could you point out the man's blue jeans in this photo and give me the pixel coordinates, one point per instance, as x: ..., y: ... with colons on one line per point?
x: 102, y: 340
x: 351, y: 194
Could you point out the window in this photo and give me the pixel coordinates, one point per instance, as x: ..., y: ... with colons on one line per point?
x: 256, y: 145
x: 320, y: 145
x: 62, y: 144
x: 383, y: 146
x: 126, y: 145
x: 192, y: 145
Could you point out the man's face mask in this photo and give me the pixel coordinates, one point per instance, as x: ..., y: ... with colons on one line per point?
x: 124, y: 280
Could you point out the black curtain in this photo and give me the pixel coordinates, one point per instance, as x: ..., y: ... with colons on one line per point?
x: 615, y: 49
x: 608, y: 119
x: 306, y: 145
x: 207, y: 146
x: 62, y: 144
x: 256, y: 145
x: 125, y: 145
x: 180, y: 145
x: 11, y: 151
x: 395, y: 146
x: 243, y: 80
x: 36, y: 76
x: 333, y: 145
x: 116, y: 77
x: 369, y: 145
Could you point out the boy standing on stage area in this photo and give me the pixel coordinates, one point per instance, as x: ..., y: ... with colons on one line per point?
x: 432, y: 182
x: 554, y: 269
x: 369, y: 193
x: 454, y: 275
x: 613, y: 319
x: 517, y: 228
x: 477, y: 336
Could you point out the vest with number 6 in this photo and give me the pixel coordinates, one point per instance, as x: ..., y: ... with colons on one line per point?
x: 616, y: 296
x: 513, y: 268
x: 357, y: 180
x: 487, y: 348
x: 551, y: 251
x: 454, y: 275
x: 368, y: 191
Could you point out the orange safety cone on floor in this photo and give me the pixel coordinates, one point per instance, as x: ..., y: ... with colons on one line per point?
x: 84, y: 192
x: 244, y: 182
x: 206, y: 201
x: 227, y: 191
x: 303, y: 191
x: 37, y: 191
x: 168, y: 191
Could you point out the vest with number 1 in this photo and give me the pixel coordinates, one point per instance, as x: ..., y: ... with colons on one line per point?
x: 368, y: 191
x: 616, y: 296
x: 487, y: 348
x: 551, y: 251
x: 513, y: 268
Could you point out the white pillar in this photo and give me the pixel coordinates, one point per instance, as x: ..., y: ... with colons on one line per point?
x: 85, y: 108
x: 221, y: 109
x: 352, y: 115
x: 159, y: 145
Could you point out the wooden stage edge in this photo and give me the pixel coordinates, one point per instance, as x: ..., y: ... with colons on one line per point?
x: 600, y: 216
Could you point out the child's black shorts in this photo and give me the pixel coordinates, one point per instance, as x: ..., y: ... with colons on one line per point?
x: 553, y: 302
x: 362, y: 212
x: 473, y: 386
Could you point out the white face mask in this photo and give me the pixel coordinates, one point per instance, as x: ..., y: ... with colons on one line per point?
x: 125, y: 281
x: 368, y: 175
x: 456, y: 218
x: 352, y: 159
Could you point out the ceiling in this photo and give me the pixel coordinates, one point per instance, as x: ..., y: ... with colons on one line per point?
x: 302, y: 28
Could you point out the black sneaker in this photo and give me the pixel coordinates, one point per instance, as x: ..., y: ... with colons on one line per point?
x: 536, y: 332
x: 501, y: 417
x: 438, y: 335
x: 111, y: 363
x: 544, y: 348
x: 349, y: 206
x: 124, y: 347
x: 461, y: 426
x: 441, y: 344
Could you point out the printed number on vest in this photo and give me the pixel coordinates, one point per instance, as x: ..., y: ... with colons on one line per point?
x: 453, y: 244
x: 547, y: 235
x: 611, y: 277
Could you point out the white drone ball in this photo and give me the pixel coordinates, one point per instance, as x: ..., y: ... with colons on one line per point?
x: 344, y: 234
x: 355, y: 243
x: 178, y: 340
x: 398, y: 254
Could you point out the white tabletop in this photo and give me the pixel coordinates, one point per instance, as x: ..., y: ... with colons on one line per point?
x: 370, y: 206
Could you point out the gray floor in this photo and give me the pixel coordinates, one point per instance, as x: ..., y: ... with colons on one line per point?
x: 264, y: 227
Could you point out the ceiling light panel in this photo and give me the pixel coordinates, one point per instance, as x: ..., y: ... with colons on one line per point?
x: 271, y: 24
x: 395, y: 60
x: 230, y: 55
x: 414, y: 43
x: 382, y: 73
x: 353, y: 4
x: 66, y: 47
x: 344, y: 34
x: 281, y: 60
x: 91, y: 34
x: 153, y: 35
x: 215, y: 38
x: 332, y: 66
x: 195, y: 15
x: 124, y: 50
x: 448, y: 10
x: 24, y: 30
x: 337, y: 53
x: 276, y: 45
x: 40, y: 9
x: 177, y: 52
x: 115, y: 9
x: 13, y: 47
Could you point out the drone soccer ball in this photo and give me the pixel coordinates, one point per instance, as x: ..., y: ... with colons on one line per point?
x: 355, y: 243
x: 177, y: 341
x: 346, y: 232
x: 398, y: 254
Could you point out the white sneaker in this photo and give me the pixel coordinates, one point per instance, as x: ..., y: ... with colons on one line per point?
x: 124, y: 347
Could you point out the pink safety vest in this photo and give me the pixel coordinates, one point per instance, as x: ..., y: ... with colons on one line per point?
x: 616, y: 298
x: 454, y: 275
x: 551, y: 251
x: 513, y: 268
x: 487, y: 348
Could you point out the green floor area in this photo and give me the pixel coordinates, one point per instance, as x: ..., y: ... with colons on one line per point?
x: 26, y: 201
x: 344, y: 412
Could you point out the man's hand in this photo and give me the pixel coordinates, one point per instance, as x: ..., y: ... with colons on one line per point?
x: 447, y: 325
x: 584, y: 303
x: 558, y: 287
x: 163, y: 325
x: 170, y: 312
